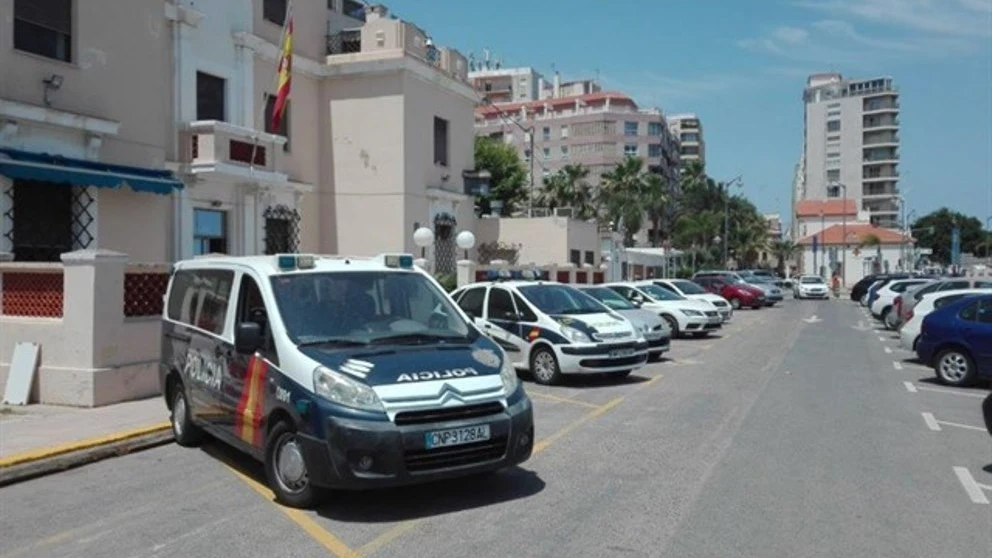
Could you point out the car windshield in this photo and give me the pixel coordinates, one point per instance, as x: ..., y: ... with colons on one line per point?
x: 366, y: 307
x: 560, y: 299
x: 658, y: 293
x: 688, y: 287
x: 610, y: 298
x: 811, y: 280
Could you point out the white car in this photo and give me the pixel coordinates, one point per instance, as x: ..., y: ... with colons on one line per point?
x: 909, y: 334
x: 886, y: 296
x: 685, y: 316
x: 688, y: 289
x: 810, y: 286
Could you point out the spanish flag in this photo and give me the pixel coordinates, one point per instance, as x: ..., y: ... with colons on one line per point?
x: 285, y: 73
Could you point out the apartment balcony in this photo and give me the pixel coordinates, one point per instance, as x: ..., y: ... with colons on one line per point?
x: 383, y: 38
x: 880, y: 122
x: 884, y: 173
x: 880, y: 158
x: 224, y: 151
x: 881, y: 139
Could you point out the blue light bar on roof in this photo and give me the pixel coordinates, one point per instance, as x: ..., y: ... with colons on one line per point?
x: 286, y: 262
x: 404, y: 261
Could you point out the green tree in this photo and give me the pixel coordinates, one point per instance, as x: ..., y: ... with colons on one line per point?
x: 655, y: 199
x: 620, y: 197
x: 508, y: 183
x: 569, y: 188
x: 934, y: 231
x: 783, y: 250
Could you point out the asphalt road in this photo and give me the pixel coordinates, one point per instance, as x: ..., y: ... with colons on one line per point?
x: 785, y: 435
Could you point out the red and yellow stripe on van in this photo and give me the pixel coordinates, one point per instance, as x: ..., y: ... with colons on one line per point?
x: 248, y: 419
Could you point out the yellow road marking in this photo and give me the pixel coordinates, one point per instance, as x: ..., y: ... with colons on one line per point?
x: 543, y: 444
x: 322, y: 536
x: 550, y: 397
x: 390, y: 535
x: 52, y: 451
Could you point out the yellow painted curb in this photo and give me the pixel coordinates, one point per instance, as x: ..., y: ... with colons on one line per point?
x: 53, y: 451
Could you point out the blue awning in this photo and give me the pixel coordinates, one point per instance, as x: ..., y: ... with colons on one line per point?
x: 25, y: 165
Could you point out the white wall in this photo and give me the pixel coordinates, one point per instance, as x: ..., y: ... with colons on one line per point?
x: 859, y: 261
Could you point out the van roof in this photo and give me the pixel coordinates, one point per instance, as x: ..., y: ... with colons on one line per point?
x: 269, y: 265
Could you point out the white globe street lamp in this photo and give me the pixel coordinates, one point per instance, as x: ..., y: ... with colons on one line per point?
x: 423, y: 237
x: 465, y: 240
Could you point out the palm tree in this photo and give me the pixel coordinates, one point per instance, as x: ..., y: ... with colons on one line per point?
x: 620, y: 197
x: 872, y: 240
x: 568, y: 188
x: 783, y: 250
x: 655, y: 198
x: 750, y: 239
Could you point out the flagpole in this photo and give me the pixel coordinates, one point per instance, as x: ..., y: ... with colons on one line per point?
x: 282, y: 39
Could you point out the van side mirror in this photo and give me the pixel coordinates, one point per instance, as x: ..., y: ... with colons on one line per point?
x: 248, y: 338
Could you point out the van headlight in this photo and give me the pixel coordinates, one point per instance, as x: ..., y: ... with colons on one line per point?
x: 575, y: 335
x: 339, y: 388
x: 508, y: 374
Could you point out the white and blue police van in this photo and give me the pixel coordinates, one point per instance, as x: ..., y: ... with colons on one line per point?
x: 337, y: 373
x: 551, y: 328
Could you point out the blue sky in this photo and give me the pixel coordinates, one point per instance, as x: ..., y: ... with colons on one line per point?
x: 741, y: 66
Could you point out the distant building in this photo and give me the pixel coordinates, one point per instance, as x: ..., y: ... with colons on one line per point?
x: 688, y: 130
x: 852, y: 138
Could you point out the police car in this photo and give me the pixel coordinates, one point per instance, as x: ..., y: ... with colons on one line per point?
x: 553, y: 329
x: 337, y: 372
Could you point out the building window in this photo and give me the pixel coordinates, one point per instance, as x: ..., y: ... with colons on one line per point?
x: 210, y: 97
x: 630, y: 149
x: 275, y: 11
x: 575, y: 257
x: 440, y: 141
x: 630, y: 128
x: 564, y: 152
x: 283, y: 130
x: 689, y: 150
x: 282, y: 230
x: 209, y: 231
x: 42, y: 227
x: 654, y: 150
x: 692, y: 136
x: 564, y: 132
x: 547, y: 153
x: 833, y: 125
x: 833, y: 175
x: 527, y: 155
x: 354, y: 10
x: 546, y: 133
x: 590, y: 257
x: 654, y: 129
x: 44, y: 27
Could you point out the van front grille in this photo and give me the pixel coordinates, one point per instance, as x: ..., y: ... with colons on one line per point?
x: 421, y: 460
x: 449, y: 413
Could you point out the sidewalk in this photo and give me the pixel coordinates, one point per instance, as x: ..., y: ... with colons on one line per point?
x: 37, y: 439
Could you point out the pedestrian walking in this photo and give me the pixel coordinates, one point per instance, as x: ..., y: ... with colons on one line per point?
x: 835, y: 283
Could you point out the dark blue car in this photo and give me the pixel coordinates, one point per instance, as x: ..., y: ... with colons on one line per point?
x: 957, y: 341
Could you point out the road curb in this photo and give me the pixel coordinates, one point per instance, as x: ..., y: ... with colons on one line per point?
x: 32, y: 464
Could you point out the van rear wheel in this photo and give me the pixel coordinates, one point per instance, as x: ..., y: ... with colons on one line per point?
x: 286, y: 468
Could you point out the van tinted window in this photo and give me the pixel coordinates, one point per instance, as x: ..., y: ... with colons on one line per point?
x: 200, y: 297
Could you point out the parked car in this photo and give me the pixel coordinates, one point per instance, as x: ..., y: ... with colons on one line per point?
x: 773, y: 294
x: 873, y: 291
x: 913, y: 295
x: 956, y: 341
x: 688, y: 289
x: 767, y: 275
x: 810, y: 286
x: 885, y: 296
x: 861, y: 287
x: 655, y: 330
x: 553, y: 329
x: 909, y: 333
x: 987, y: 413
x: 685, y: 316
x: 733, y: 289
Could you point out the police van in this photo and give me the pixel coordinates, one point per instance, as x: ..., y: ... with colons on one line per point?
x: 552, y: 329
x: 337, y: 372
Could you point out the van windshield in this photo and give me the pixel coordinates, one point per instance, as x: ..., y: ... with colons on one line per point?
x: 366, y: 307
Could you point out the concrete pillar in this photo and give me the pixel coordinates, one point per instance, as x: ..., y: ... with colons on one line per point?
x: 466, y: 272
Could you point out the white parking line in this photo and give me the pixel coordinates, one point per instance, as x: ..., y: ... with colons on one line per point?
x: 897, y: 365
x: 973, y: 489
x: 888, y: 350
x: 947, y: 391
x: 959, y: 425
x: 882, y: 339
x: 931, y: 422
x: 934, y: 424
x: 910, y: 387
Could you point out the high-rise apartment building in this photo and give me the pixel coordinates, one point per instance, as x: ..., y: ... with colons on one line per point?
x: 852, y: 139
x: 688, y: 129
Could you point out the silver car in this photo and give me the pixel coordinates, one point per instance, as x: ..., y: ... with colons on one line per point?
x: 654, y: 329
x: 773, y: 294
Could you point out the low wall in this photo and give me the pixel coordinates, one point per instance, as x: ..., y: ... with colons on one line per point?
x: 97, y: 321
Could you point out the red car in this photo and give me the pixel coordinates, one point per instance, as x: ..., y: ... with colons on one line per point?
x: 738, y: 293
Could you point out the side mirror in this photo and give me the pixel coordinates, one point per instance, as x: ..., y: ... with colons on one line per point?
x: 248, y: 338
x: 637, y: 303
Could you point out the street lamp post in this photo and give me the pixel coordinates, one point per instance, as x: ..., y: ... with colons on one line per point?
x: 726, y: 216
x: 843, y: 246
x: 823, y: 225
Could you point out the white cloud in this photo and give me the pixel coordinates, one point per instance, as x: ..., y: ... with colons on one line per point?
x: 945, y: 17
x: 791, y: 35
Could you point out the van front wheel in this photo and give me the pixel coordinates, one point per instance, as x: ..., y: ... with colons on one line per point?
x: 184, y: 431
x: 286, y: 468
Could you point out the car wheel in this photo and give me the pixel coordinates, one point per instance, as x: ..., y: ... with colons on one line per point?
x: 544, y: 366
x: 889, y: 319
x: 735, y: 303
x: 286, y: 468
x: 916, y: 343
x: 955, y: 368
x: 673, y: 325
x: 184, y: 431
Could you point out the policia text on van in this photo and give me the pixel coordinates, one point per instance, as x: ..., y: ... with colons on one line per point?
x: 337, y: 372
